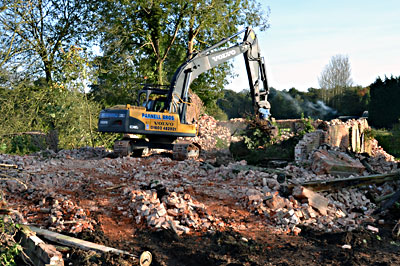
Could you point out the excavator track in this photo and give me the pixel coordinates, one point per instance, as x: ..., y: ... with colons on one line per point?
x: 181, y: 150
x: 128, y: 147
x: 122, y: 148
x: 186, y: 150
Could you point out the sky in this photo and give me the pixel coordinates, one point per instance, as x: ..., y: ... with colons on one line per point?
x: 305, y: 34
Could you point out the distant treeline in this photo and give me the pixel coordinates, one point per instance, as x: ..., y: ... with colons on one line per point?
x: 381, y: 99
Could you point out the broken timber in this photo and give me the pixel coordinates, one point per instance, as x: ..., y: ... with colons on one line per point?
x: 75, y: 242
x: 394, y: 198
x: 4, y: 165
x: 38, y: 252
x: 335, y: 184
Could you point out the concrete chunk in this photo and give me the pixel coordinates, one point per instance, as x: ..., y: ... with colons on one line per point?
x: 314, y: 199
x: 335, y: 162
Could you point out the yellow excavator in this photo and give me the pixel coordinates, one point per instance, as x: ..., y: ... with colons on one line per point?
x: 160, y: 114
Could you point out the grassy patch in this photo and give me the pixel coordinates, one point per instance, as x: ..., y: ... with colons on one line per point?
x: 389, y: 140
x: 221, y: 144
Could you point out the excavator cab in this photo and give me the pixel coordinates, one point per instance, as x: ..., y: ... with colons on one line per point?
x: 152, y: 98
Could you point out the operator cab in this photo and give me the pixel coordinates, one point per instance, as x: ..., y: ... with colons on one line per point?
x: 153, y: 98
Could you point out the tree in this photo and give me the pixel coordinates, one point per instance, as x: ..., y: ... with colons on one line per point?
x: 384, y: 108
x: 335, y: 77
x: 34, y: 32
x: 236, y: 104
x: 153, y: 38
x: 336, y: 74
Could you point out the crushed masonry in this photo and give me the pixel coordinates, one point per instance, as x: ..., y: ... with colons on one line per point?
x: 60, y: 191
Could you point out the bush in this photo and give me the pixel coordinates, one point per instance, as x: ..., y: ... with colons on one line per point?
x: 9, y: 249
x: 48, y: 108
x: 389, y: 140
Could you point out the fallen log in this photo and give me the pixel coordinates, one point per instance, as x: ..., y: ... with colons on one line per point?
x: 25, y: 133
x: 144, y: 259
x: 378, y: 200
x: 335, y: 184
x: 76, y: 242
x: 368, y: 166
x: 4, y: 177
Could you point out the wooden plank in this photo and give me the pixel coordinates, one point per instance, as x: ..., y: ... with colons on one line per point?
x: 8, y: 165
x: 76, y: 242
x: 338, y: 183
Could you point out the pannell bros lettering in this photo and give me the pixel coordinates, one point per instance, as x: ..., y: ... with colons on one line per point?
x: 158, y: 117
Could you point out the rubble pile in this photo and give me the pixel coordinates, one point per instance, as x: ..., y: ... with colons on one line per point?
x: 62, y: 190
x: 81, y: 153
x: 343, y: 210
x: 66, y: 216
x: 288, y: 213
x: 176, y: 211
x: 210, y: 133
x: 334, y: 162
x: 349, y: 135
x: 310, y: 142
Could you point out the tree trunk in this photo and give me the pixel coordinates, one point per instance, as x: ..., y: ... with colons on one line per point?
x: 190, y: 47
x: 160, y: 72
x: 190, y: 43
x: 47, y: 70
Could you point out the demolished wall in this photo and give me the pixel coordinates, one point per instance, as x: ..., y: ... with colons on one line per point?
x: 349, y: 135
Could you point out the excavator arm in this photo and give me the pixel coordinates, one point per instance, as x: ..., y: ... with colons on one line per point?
x: 177, y: 99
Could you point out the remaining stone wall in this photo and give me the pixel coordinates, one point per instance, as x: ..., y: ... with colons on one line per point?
x: 310, y: 142
x: 345, y: 135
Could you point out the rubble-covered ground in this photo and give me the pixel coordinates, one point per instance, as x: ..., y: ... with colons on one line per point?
x: 196, y: 212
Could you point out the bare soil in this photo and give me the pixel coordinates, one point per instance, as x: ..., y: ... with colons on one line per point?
x: 230, y: 248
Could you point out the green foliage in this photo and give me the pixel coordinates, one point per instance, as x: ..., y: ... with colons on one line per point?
x: 146, y: 43
x: 307, y: 126
x: 221, y: 144
x: 33, y: 33
x: 209, y: 88
x: 258, y: 145
x: 62, y: 106
x: 9, y: 249
x: 255, y: 139
x: 23, y: 145
x: 213, y: 110
x: 236, y: 104
x: 389, y: 140
x: 257, y: 135
x: 32, y: 108
x: 384, y: 108
x: 283, y: 105
x: 283, y: 150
